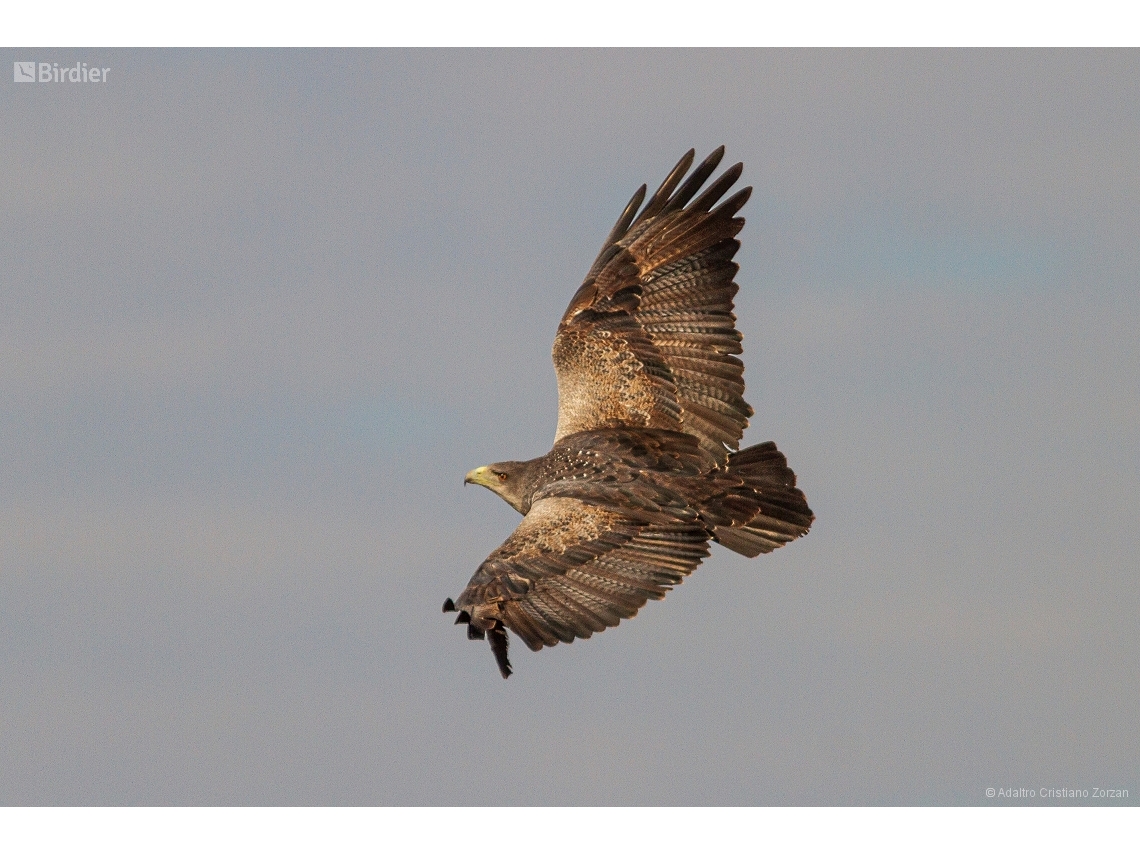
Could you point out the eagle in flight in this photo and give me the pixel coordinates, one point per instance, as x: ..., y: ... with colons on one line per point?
x: 645, y: 467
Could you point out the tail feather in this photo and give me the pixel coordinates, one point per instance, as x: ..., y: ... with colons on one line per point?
x: 750, y: 541
x: 782, y: 514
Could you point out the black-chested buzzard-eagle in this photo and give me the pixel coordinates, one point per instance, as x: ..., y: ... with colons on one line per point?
x: 645, y: 468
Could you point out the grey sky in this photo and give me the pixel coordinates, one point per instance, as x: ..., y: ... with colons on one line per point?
x: 260, y: 311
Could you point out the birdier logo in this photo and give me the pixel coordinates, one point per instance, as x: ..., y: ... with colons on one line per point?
x: 52, y: 72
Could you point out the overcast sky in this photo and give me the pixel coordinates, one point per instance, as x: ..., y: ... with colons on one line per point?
x: 261, y: 310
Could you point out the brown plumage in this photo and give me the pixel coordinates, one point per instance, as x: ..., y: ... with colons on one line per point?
x: 645, y: 468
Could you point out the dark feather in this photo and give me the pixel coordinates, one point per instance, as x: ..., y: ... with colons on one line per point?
x: 661, y: 197
x: 693, y: 183
x: 717, y: 189
x: 499, y: 643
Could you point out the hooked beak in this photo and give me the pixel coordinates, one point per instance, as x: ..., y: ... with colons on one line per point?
x: 481, y: 476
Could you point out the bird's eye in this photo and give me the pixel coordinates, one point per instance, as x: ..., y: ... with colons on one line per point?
x: 502, y: 476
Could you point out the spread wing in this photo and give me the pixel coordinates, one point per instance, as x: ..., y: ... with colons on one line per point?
x: 571, y: 569
x: 649, y: 338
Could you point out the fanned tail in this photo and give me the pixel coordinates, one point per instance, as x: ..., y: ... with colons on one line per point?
x: 783, y: 513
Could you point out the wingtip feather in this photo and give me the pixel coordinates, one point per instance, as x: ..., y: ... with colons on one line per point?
x: 497, y: 636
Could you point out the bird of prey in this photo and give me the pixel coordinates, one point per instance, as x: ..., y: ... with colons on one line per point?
x: 645, y: 467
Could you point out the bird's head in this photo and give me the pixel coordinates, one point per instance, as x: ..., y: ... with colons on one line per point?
x: 509, y: 480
